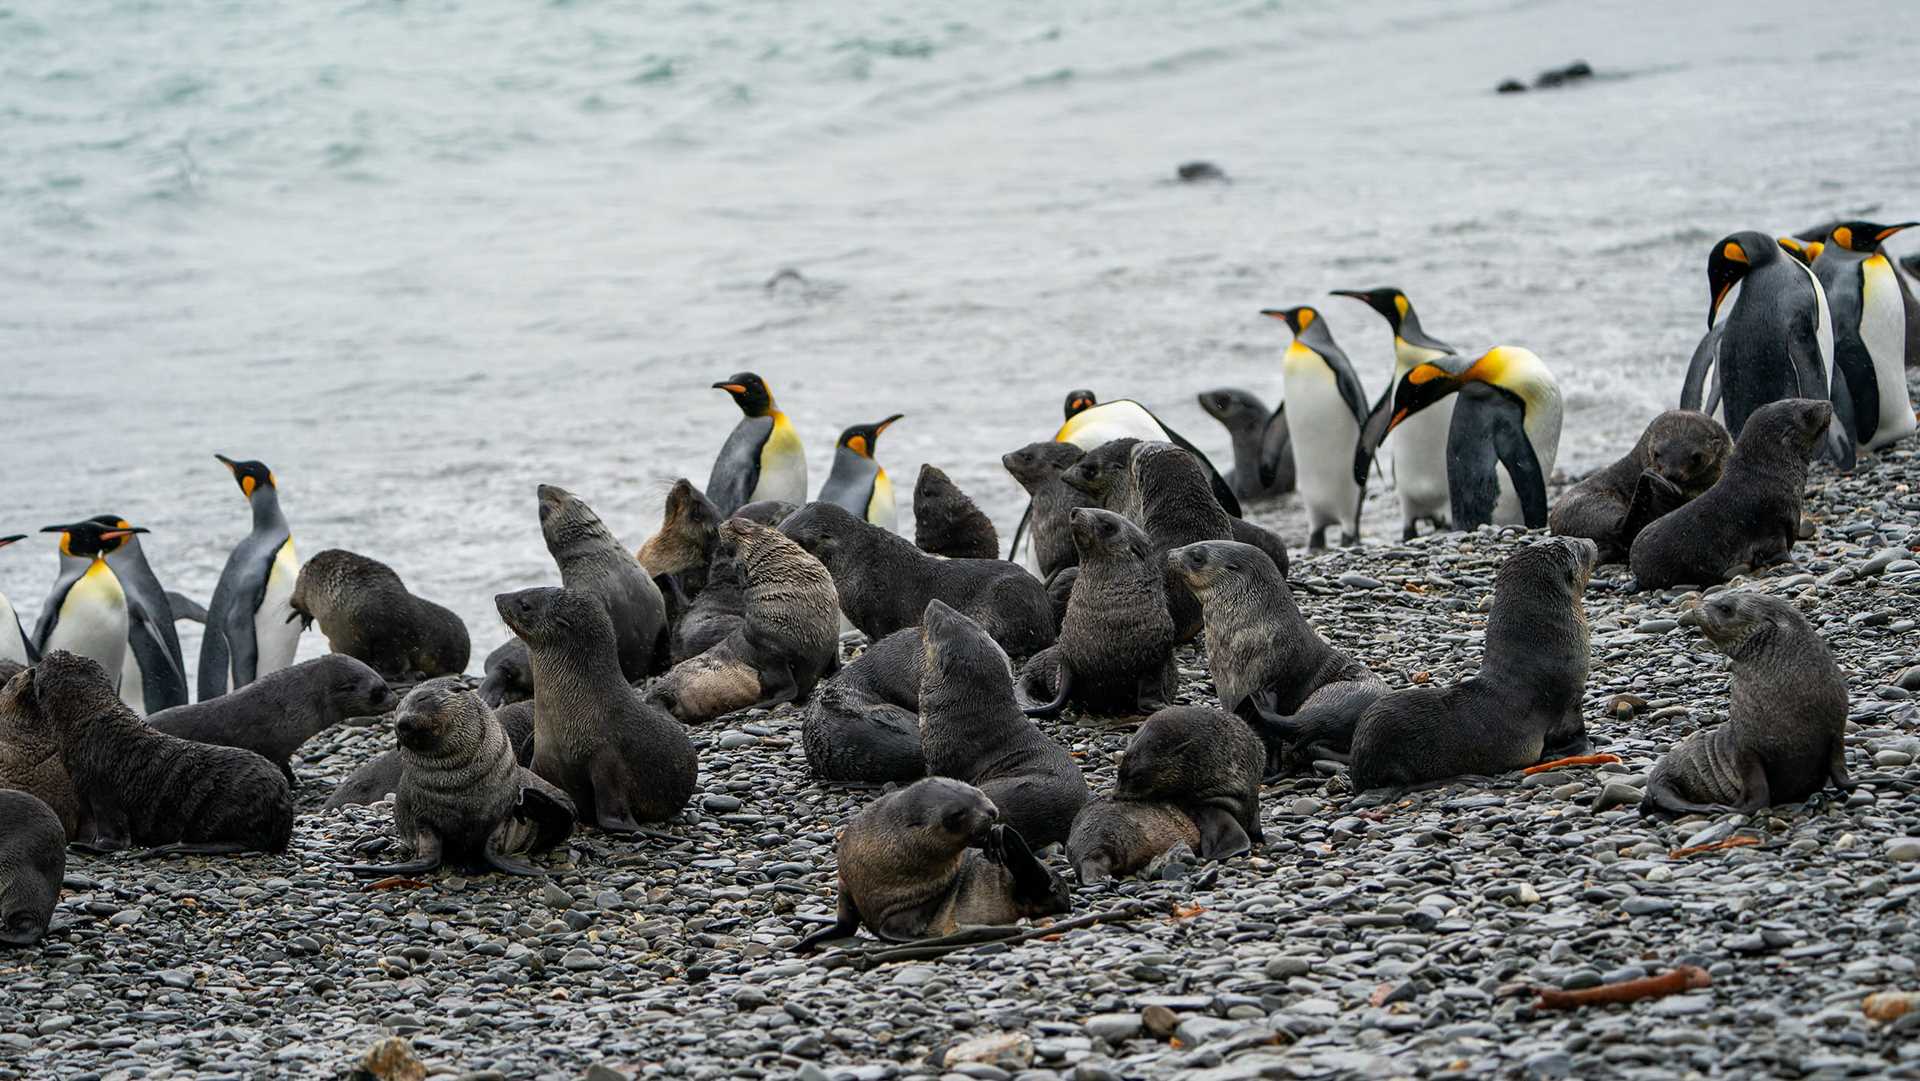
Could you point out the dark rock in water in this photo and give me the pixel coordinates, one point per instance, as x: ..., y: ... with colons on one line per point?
x: 786, y: 278
x: 1511, y: 86
x: 1201, y: 172
x: 1573, y: 72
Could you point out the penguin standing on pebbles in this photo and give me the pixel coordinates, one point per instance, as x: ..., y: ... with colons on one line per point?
x: 1420, y: 443
x: 86, y: 613
x: 13, y: 640
x: 154, y: 677
x: 762, y: 458
x: 249, y: 629
x: 1870, y: 332
x: 1325, y: 409
x: 857, y: 481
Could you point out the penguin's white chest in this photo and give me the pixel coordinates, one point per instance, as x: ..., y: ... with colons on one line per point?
x: 1883, y: 331
x: 1325, y: 435
x: 274, y: 638
x: 783, y: 466
x: 1420, y: 462
x: 13, y: 643
x: 93, y: 620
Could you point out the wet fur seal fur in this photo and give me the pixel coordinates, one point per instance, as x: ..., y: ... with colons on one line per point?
x: 591, y: 561
x: 30, y: 758
x: 947, y: 523
x: 1114, y: 838
x: 379, y: 777
x: 366, y: 612
x: 1679, y: 456
x: 33, y: 861
x: 1206, y: 763
x: 1039, y: 469
x: 1115, y: 651
x: 1784, y: 738
x: 275, y: 714
x: 864, y: 724
x: 1524, y: 704
x: 1751, y: 515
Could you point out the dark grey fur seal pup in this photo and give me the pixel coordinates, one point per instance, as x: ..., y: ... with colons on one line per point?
x: 1262, y: 448
x: 621, y: 759
x: 275, y: 714
x: 591, y: 561
x: 366, y: 612
x: 509, y: 675
x: 1677, y: 458
x: 884, y: 582
x: 379, y: 777
x: 1300, y: 694
x: 10, y: 669
x: 30, y: 758
x: 1039, y: 468
x: 1206, y: 763
x: 1177, y: 507
x: 1104, y: 476
x: 928, y: 860
x: 972, y: 729
x: 1751, y: 515
x: 1116, y: 838
x: 463, y: 799
x: 947, y: 523
x: 33, y: 861
x: 140, y: 786
x: 1522, y: 707
x: 789, y: 638
x: 1115, y: 652
x: 864, y: 724
x: 721, y: 604
x: 1784, y: 738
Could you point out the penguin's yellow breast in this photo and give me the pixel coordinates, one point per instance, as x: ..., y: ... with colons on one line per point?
x: 98, y: 586
x: 882, y: 495
x: 782, y: 441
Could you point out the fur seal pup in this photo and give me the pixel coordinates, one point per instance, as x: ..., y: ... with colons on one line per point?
x: 379, y: 777
x: 1522, y: 707
x: 622, y: 759
x: 275, y: 714
x: 366, y: 612
x: 1114, y: 838
x: 1678, y: 457
x: 1751, y: 515
x: 928, y: 860
x: 591, y: 561
x: 677, y: 555
x: 1115, y: 652
x: 789, y: 638
x: 1104, y: 475
x: 1784, y: 738
x: 884, y: 582
x: 33, y: 861
x: 1039, y: 468
x: 463, y: 799
x: 1262, y: 451
x: 864, y: 724
x: 137, y: 785
x: 972, y: 729
x: 1300, y: 694
x: 947, y: 523
x: 721, y: 604
x: 30, y: 759
x: 509, y: 675
x: 1206, y: 763
x: 1176, y: 508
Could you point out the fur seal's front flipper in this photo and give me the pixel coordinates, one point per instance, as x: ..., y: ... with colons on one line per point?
x: 1032, y: 882
x: 193, y: 848
x: 1837, y: 768
x: 1653, y: 496
x: 1221, y: 837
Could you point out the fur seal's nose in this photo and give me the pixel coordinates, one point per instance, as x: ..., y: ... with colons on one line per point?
x: 1691, y: 617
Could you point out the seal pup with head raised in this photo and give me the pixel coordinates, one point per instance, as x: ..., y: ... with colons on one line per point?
x: 947, y: 523
x: 1677, y: 458
x: 1115, y: 651
x: 1039, y: 468
x: 275, y: 714
x: 366, y: 613
x: 1262, y: 450
x: 379, y: 777
x: 864, y: 724
x: 1784, y: 738
x: 928, y: 860
x: 591, y: 561
x: 33, y: 861
x: 677, y: 555
x: 721, y: 604
x: 462, y: 798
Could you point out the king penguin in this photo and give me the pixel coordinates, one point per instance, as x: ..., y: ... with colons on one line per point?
x: 762, y: 457
x: 1420, y: 443
x: 155, y: 676
x: 1508, y: 414
x: 14, y: 645
x: 1325, y: 409
x: 1870, y: 332
x: 1090, y: 424
x: 857, y: 481
x: 249, y: 633
x: 86, y: 612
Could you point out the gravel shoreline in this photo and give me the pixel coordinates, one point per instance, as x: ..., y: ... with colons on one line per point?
x: 1395, y: 942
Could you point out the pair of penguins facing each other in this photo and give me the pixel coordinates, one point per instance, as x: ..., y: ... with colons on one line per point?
x: 1824, y: 315
x: 108, y: 605
x: 763, y: 460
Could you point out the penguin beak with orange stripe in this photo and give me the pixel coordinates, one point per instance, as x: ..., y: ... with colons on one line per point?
x: 1865, y: 236
x: 1725, y: 267
x: 4, y: 541
x: 861, y: 438
x: 749, y: 392
x: 251, y: 476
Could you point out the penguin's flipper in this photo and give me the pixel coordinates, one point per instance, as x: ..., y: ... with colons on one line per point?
x: 1222, y: 491
x: 736, y: 472
x: 1841, y: 448
x: 1510, y: 442
x: 1276, y: 453
x: 1352, y: 393
x: 50, y: 611
x: 163, y: 685
x: 185, y: 607
x: 215, y: 669
x: 1704, y: 365
x: 1013, y: 550
x: 1373, y: 431
x: 242, y: 647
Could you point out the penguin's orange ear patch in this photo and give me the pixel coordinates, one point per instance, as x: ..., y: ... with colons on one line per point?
x: 1734, y: 252
x: 1306, y: 316
x: 1425, y: 373
x: 1843, y: 236
x: 247, y: 485
x: 1400, y: 304
x: 858, y: 445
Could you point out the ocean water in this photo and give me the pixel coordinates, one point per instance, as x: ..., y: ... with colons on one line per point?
x: 420, y: 257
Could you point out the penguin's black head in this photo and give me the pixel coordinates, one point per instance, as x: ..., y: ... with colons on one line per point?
x: 1805, y: 253
x: 93, y: 537
x: 750, y: 393
x: 1865, y: 236
x: 1297, y: 319
x: 1391, y: 303
x: 251, y: 476
x: 1079, y: 401
x: 862, y: 438
x: 1732, y: 258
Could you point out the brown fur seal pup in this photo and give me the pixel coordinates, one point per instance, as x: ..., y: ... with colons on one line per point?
x: 622, y: 759
x: 972, y: 729
x: 1206, y: 763
x: 721, y: 604
x: 928, y: 860
x: 591, y: 561
x: 864, y: 724
x: 1116, y: 838
x: 1678, y: 457
x: 789, y: 638
x: 1523, y: 706
x: 33, y: 861
x: 509, y: 675
x: 30, y: 758
x: 275, y: 714
x: 1751, y: 515
x: 463, y: 799
x: 1115, y: 653
x: 379, y: 777
x: 1784, y: 738
x: 140, y: 786
x: 884, y: 582
x: 366, y: 613
x: 1039, y: 468
x: 1262, y: 451
x: 1269, y: 665
x: 947, y: 523
x: 678, y: 554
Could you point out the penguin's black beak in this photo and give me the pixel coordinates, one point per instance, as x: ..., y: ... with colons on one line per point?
x: 887, y: 423
x: 4, y: 541
x: 59, y: 528
x: 228, y: 462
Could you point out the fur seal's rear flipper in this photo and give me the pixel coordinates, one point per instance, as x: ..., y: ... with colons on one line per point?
x: 1062, y: 683
x: 1221, y: 837
x: 1033, y: 882
x: 385, y: 870
x: 512, y: 865
x: 846, y: 925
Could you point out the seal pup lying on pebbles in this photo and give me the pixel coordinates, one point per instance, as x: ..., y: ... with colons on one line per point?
x: 1114, y: 838
x: 972, y: 729
x: 1269, y: 665
x: 463, y: 799
x: 137, y: 785
x: 947, y: 523
x: 1206, y: 763
x: 621, y: 759
x: 1677, y: 458
x: 864, y: 724
x: 379, y: 777
x: 1039, y: 469
x: 789, y: 638
x: 1523, y: 706
x: 33, y: 861
x: 885, y: 583
x: 928, y: 860
x: 1115, y: 652
x: 1751, y: 515
x: 592, y: 562
x: 366, y: 613
x: 509, y: 675
x: 30, y: 759
x: 1784, y: 738
x: 275, y: 714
